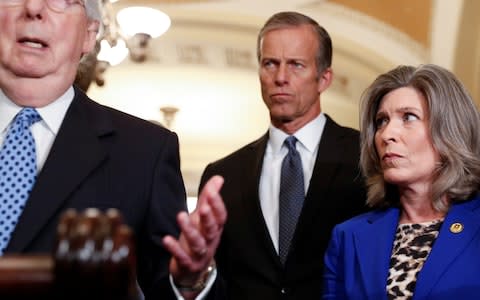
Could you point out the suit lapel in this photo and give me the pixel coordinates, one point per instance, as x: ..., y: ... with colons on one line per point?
x: 251, y: 195
x: 373, y: 243
x: 76, y: 151
x: 328, y: 157
x: 449, y: 245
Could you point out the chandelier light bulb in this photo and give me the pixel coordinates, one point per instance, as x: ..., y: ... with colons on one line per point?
x: 146, y: 20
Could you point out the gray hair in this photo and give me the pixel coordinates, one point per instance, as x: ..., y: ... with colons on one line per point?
x: 287, y: 19
x: 453, y: 123
x: 93, y: 10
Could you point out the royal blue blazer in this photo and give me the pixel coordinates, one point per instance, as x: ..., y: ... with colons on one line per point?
x: 357, y: 260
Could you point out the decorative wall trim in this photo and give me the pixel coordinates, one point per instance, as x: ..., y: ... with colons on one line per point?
x: 360, y: 28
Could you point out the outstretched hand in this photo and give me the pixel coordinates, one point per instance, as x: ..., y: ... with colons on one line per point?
x: 200, y: 235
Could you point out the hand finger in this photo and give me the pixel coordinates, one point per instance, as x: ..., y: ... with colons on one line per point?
x: 211, y: 188
x: 209, y: 224
x: 218, y: 208
x: 211, y: 195
x: 194, y: 240
x: 174, y: 247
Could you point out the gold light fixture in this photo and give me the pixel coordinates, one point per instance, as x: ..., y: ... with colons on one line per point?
x: 129, y: 31
x: 122, y: 34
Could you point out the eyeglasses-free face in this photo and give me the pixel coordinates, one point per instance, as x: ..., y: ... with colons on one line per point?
x: 55, y: 5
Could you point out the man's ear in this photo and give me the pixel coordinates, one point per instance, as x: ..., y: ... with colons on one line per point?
x: 325, y: 79
x: 91, y: 36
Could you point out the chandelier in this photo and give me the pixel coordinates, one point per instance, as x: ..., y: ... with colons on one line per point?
x: 129, y: 31
x: 123, y: 33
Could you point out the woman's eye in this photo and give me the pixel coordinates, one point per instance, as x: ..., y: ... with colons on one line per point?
x: 410, y: 117
x: 379, y: 122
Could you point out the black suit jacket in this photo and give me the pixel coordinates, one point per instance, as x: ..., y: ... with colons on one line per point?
x: 248, y: 264
x: 107, y: 159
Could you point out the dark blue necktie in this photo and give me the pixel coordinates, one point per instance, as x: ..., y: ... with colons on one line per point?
x: 18, y: 170
x: 292, y: 194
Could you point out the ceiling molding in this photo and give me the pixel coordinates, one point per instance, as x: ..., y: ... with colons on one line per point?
x: 380, y: 38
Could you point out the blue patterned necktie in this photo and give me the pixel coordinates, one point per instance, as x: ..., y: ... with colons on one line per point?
x: 18, y: 170
x: 292, y: 194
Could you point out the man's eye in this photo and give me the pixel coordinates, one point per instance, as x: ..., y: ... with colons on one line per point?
x: 267, y: 63
x: 297, y: 65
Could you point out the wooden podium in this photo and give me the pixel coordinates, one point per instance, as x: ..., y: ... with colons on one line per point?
x: 93, y: 259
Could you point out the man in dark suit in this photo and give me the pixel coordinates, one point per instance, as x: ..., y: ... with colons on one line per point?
x: 294, y: 55
x: 87, y: 155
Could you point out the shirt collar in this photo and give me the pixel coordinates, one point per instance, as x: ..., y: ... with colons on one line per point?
x: 52, y: 114
x: 309, y: 135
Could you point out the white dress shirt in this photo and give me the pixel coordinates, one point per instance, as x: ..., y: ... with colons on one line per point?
x: 44, y: 131
x: 308, y: 139
x: 307, y: 145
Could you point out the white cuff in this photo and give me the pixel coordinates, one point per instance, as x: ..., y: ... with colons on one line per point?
x: 203, y: 293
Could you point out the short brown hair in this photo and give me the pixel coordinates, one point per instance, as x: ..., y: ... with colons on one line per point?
x: 454, y: 122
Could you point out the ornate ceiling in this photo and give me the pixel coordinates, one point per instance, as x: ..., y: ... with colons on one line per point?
x: 206, y: 66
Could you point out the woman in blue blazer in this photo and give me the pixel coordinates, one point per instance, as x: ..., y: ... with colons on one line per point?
x: 421, y: 158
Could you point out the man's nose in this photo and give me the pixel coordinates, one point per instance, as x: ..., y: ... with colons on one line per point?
x: 34, y: 8
x: 281, y: 76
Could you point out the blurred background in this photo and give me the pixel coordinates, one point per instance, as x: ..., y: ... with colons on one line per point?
x: 191, y: 64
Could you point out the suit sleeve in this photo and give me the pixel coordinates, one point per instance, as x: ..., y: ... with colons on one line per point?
x: 333, y: 277
x: 167, y: 198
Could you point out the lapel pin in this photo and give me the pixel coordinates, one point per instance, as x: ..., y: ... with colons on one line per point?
x: 456, y: 228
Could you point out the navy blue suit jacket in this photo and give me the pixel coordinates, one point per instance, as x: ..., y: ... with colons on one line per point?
x: 358, y: 256
x: 104, y: 158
